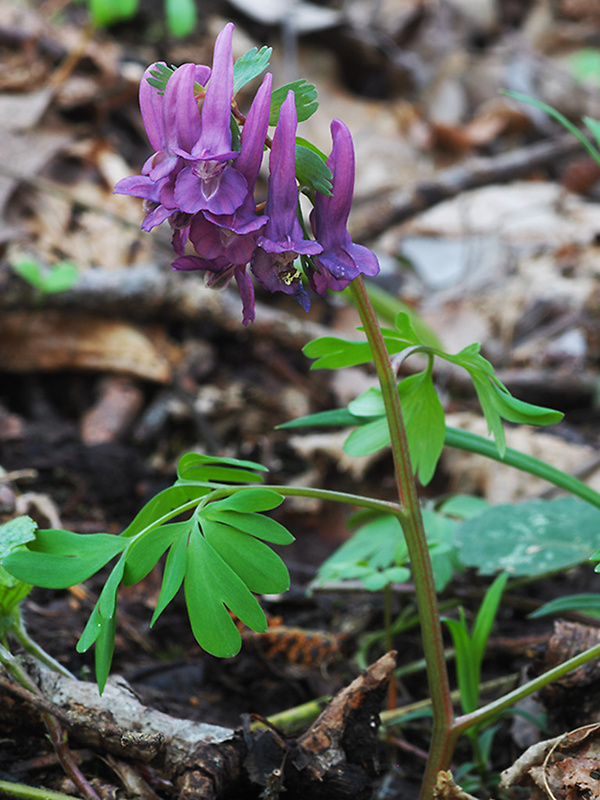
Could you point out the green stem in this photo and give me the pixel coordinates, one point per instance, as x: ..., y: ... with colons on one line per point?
x: 57, y: 737
x: 473, y: 443
x: 25, y: 792
x: 490, y: 710
x: 30, y: 646
x: 440, y: 752
x: 382, y: 506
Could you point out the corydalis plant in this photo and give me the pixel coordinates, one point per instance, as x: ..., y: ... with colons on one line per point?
x: 202, y: 179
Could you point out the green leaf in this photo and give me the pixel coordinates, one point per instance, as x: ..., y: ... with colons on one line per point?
x: 105, y: 647
x: 560, y: 118
x: 144, y: 553
x: 376, y: 546
x: 585, y: 65
x: 181, y: 17
x: 464, y: 506
x: 107, y: 602
x: 58, y: 559
x: 101, y: 626
x: 167, y: 504
x: 336, y: 417
x: 265, y: 528
x: 198, y: 468
x: 211, y: 586
x: 514, y: 410
x: 368, y: 404
x: 254, y: 562
x: 486, y: 616
x: 333, y: 353
x: 442, y: 551
x: 56, y: 278
x: 376, y: 581
x: 30, y: 271
x: 174, y: 573
x: 368, y: 438
x: 467, y: 671
x: 249, y: 500
x: 311, y: 171
x: 90, y: 632
x: 101, y: 631
x: 16, y: 532
x: 107, y: 12
x: 160, y: 77
x: 12, y: 591
x: 579, y: 603
x: 531, y: 538
x: 594, y: 127
x: 425, y: 423
x: 250, y: 66
x: 305, y: 96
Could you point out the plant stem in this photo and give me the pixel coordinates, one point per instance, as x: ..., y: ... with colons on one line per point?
x: 490, y: 710
x: 440, y: 752
x: 26, y: 792
x: 57, y: 736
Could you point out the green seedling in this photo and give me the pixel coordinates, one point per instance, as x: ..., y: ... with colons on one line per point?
x: 180, y: 15
x: 57, y: 278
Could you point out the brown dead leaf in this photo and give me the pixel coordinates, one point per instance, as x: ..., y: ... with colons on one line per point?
x: 446, y: 789
x: 565, y: 768
x: 50, y: 340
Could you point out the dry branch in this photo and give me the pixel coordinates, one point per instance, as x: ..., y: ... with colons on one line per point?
x: 373, y: 216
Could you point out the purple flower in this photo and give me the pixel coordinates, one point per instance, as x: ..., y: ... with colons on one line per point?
x: 341, y: 260
x: 207, y: 181
x: 233, y: 236
x: 283, y: 240
x: 171, y: 120
x: 220, y: 273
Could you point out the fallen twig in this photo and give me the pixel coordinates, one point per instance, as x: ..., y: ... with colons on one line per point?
x: 373, y: 216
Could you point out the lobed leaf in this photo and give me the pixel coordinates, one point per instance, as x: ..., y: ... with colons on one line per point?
x: 144, y: 553
x: 425, y: 423
x: 250, y: 500
x: 201, y: 469
x: 212, y: 587
x: 305, y: 96
x: 265, y: 528
x: 250, y: 66
x: 514, y: 410
x: 160, y: 77
x: 167, y: 504
x: 369, y: 438
x: 58, y: 559
x: 173, y: 575
x: 261, y: 569
x: 312, y: 172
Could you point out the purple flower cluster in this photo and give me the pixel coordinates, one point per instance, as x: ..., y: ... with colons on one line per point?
x: 205, y: 188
